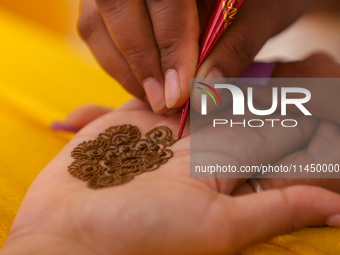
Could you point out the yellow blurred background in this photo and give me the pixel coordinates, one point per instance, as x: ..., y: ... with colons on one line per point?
x: 51, y: 14
x: 46, y: 71
x: 58, y: 16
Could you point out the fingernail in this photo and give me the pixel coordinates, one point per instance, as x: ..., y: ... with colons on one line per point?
x: 259, y: 72
x: 172, y: 88
x: 155, y: 93
x: 60, y: 126
x: 214, y: 73
x: 334, y: 221
x: 195, y: 96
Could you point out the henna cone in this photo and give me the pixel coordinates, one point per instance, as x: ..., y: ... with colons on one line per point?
x: 223, y: 14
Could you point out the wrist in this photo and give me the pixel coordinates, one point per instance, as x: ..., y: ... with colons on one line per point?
x: 44, y: 244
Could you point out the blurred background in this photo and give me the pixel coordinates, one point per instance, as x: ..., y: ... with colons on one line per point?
x: 56, y: 16
x: 46, y: 71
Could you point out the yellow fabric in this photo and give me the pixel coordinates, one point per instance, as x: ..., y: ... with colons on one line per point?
x: 41, y: 80
x: 52, y: 14
x: 309, y: 241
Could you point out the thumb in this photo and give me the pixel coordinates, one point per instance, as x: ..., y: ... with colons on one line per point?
x: 80, y: 117
x: 263, y: 216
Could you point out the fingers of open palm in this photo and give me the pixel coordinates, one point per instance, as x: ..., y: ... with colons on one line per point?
x: 323, y: 149
x: 256, y: 218
x: 176, y: 29
x: 324, y: 101
x: 85, y: 114
x: 279, y: 183
x: 242, y: 143
x: 94, y: 32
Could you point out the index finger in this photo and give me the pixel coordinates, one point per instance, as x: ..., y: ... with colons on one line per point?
x: 130, y: 27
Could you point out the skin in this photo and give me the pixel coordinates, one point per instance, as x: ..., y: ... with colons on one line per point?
x: 318, y: 65
x: 152, y: 46
x: 166, y: 211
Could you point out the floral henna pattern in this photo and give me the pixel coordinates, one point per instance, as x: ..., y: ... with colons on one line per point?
x: 118, y: 154
x: 124, y: 134
x: 162, y: 135
x: 91, y: 149
x: 85, y: 169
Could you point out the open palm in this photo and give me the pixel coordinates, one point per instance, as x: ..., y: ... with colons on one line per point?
x: 163, y: 211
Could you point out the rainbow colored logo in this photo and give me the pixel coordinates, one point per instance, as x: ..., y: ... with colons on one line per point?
x: 209, y: 93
